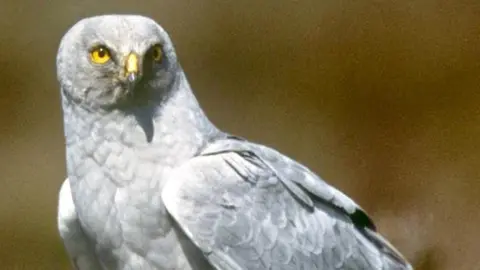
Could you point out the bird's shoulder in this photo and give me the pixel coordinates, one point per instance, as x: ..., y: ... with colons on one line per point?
x: 305, y: 185
x: 243, y: 204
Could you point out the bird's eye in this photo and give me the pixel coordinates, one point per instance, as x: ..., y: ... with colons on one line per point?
x: 157, y: 53
x: 100, y: 55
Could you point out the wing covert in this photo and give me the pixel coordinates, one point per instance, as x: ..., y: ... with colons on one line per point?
x: 238, y: 206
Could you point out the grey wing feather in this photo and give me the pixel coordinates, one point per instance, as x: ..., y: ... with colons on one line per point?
x: 247, y: 206
x: 77, y: 245
x: 289, y: 171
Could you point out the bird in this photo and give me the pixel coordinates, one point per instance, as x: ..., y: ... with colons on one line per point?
x: 152, y: 183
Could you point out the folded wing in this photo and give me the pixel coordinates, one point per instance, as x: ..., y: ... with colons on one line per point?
x: 247, y: 206
x: 79, y: 249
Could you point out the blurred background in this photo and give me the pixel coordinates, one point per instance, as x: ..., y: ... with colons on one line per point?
x: 381, y: 98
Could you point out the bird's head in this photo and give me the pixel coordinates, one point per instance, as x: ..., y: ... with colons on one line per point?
x: 115, y: 61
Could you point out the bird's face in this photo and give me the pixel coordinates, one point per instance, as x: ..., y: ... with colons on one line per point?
x: 116, y: 60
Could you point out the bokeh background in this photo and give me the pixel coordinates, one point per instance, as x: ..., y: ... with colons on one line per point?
x: 381, y: 98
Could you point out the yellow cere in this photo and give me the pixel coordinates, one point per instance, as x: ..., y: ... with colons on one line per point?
x: 132, y: 63
x: 157, y: 53
x: 100, y: 55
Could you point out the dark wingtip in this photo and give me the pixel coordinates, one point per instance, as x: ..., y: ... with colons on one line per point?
x: 362, y: 220
x: 365, y: 224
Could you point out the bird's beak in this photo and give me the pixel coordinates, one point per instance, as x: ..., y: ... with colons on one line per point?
x: 131, y: 68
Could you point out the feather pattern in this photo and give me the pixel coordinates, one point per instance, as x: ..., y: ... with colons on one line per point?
x: 247, y: 206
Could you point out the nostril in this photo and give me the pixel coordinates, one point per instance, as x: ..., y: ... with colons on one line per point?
x: 132, y: 77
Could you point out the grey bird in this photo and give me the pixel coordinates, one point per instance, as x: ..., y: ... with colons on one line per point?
x: 153, y: 184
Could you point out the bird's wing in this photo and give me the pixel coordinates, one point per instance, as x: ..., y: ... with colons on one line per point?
x: 77, y: 245
x: 247, y: 206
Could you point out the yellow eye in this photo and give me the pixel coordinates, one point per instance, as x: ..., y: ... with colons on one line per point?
x: 157, y: 53
x: 100, y: 55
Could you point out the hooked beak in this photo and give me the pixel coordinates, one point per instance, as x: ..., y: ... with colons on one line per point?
x: 132, y: 69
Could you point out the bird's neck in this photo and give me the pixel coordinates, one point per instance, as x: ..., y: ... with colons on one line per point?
x: 163, y: 135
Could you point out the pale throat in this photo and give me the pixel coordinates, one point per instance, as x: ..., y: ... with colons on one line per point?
x: 132, y: 147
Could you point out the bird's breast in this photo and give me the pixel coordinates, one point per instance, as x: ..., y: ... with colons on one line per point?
x: 128, y: 221
x: 117, y: 179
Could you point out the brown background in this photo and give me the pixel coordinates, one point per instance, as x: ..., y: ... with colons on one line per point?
x: 380, y: 97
